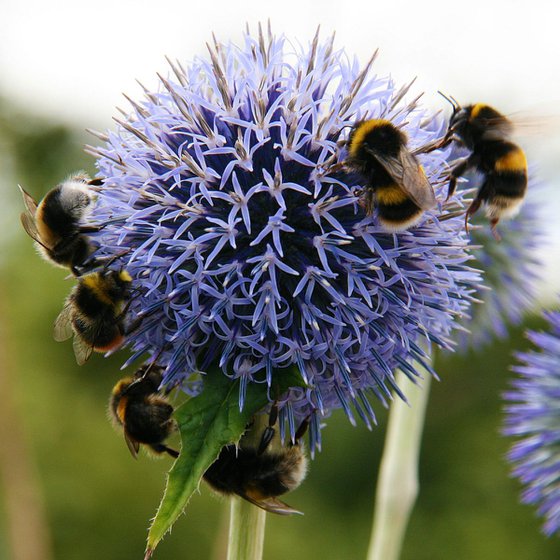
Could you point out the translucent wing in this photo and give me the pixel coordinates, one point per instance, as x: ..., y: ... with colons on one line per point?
x: 272, y: 505
x: 82, y: 350
x: 539, y: 121
x: 132, y: 444
x: 29, y: 201
x: 63, y: 331
x: 409, y: 175
x: 28, y: 218
x: 30, y: 227
x: 63, y: 324
x: 535, y: 121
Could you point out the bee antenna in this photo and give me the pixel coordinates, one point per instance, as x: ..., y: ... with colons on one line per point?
x: 450, y: 99
x: 140, y: 379
x: 152, y: 363
x: 343, y: 142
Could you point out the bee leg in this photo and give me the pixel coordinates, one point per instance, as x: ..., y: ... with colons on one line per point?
x: 77, y: 270
x: 431, y: 146
x: 110, y: 260
x: 451, y: 188
x: 170, y: 451
x: 94, y: 262
x: 269, y: 431
x: 90, y: 229
x: 457, y: 172
x: 160, y: 448
x: 131, y: 327
x: 493, y: 224
x: 301, y: 430
x: 472, y: 209
x: 334, y: 168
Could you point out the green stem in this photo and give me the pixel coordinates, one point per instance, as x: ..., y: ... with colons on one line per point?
x: 397, y: 486
x: 246, y: 530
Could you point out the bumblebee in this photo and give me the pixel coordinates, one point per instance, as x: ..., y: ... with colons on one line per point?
x: 486, y: 133
x: 395, y: 182
x: 94, y: 312
x: 54, y: 223
x: 143, y: 413
x: 260, y: 467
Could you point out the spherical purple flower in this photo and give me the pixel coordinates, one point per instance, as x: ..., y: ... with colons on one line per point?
x: 533, y: 416
x: 249, y: 247
x: 511, y: 271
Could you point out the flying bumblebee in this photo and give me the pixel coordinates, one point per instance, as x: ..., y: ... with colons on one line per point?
x: 143, y: 413
x: 260, y: 467
x: 94, y: 312
x: 395, y: 182
x: 54, y: 223
x: 486, y: 133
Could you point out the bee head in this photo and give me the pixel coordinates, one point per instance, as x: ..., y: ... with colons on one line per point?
x: 149, y: 377
x: 475, y: 122
x: 114, y: 283
x: 459, y: 119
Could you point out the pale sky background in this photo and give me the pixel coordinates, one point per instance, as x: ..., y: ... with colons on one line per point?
x: 71, y: 59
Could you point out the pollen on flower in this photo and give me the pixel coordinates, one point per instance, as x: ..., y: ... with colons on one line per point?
x: 226, y: 200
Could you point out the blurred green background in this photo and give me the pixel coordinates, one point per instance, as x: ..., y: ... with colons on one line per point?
x: 70, y: 488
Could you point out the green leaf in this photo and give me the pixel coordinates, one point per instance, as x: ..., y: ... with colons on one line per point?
x: 207, y: 423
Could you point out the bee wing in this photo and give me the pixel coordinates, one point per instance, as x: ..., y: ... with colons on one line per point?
x: 82, y: 350
x: 30, y: 227
x: 272, y: 505
x: 29, y: 201
x: 28, y: 218
x: 132, y: 444
x: 63, y: 331
x: 63, y: 324
x: 408, y: 173
x: 541, y: 120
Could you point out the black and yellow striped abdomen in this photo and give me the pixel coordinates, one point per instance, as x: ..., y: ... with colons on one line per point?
x: 396, y: 210
x: 505, y: 166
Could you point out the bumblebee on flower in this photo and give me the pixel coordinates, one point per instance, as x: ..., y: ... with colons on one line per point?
x: 247, y: 256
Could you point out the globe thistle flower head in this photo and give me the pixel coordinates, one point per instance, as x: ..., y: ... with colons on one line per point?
x: 511, y: 270
x: 533, y: 416
x: 225, y: 200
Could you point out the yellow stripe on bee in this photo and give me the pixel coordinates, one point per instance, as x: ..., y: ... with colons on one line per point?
x: 513, y: 161
x: 256, y: 493
x: 390, y: 196
x: 362, y: 130
x: 93, y: 282
x: 46, y: 234
x: 476, y: 109
x: 121, y: 409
